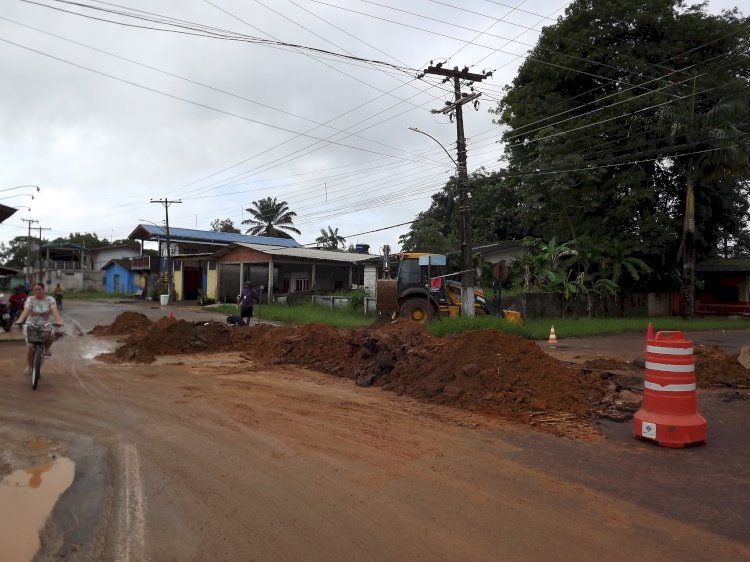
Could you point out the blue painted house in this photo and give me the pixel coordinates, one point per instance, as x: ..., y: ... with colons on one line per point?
x: 119, y: 278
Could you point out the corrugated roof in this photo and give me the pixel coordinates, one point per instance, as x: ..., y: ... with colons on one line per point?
x: 726, y: 265
x: 6, y: 212
x: 124, y: 263
x: 301, y: 252
x: 149, y: 231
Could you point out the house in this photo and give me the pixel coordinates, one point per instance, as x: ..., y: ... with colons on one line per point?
x: 288, y: 270
x: 724, y: 287
x: 119, y: 278
x: 97, y: 258
x: 190, y: 251
x: 6, y: 212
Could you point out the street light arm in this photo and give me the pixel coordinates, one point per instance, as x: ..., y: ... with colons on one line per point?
x: 437, y: 141
x: 152, y: 222
x: 17, y: 195
x: 18, y: 187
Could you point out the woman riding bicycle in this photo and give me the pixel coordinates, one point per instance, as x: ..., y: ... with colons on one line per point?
x: 37, y: 310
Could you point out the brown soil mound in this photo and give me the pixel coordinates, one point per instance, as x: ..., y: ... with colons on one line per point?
x: 714, y: 368
x: 168, y: 336
x: 482, y: 370
x: 125, y: 323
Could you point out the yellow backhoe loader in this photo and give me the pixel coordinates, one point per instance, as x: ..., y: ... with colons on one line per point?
x: 424, y: 290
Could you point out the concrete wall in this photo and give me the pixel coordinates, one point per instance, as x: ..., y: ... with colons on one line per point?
x: 553, y: 305
x: 370, y: 280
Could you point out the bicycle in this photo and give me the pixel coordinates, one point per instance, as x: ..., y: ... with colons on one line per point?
x: 37, y: 335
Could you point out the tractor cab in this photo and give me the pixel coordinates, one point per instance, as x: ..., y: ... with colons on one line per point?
x: 425, y: 271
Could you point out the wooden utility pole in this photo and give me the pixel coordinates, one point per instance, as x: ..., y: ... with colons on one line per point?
x: 28, y: 251
x: 41, y: 256
x: 467, y: 262
x: 170, y: 280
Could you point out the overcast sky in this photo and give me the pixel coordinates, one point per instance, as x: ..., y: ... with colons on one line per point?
x: 104, y: 117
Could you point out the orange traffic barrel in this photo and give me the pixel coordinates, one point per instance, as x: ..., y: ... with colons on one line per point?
x: 669, y: 412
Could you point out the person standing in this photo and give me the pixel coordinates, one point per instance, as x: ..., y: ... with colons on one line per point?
x: 247, y: 296
x: 59, y: 292
x: 38, y: 309
x: 17, y: 300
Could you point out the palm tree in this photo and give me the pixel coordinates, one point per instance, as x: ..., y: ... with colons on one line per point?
x: 270, y: 218
x: 715, y: 139
x: 331, y: 239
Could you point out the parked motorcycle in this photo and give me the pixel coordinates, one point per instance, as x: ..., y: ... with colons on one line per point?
x: 5, y: 320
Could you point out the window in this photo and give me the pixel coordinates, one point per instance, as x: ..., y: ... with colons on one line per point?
x: 178, y: 265
x: 212, y: 266
x: 303, y: 284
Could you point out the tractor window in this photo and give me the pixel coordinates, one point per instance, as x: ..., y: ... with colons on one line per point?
x: 408, y: 273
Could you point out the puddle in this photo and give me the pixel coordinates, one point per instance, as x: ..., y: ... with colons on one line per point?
x: 94, y: 348
x: 27, y: 497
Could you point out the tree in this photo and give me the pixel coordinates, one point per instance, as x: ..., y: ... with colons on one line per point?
x: 620, y: 107
x: 224, y: 225
x: 425, y: 235
x: 330, y: 239
x: 13, y: 254
x: 86, y: 239
x: 271, y: 218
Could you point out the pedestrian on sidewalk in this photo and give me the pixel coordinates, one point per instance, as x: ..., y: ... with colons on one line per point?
x: 246, y: 299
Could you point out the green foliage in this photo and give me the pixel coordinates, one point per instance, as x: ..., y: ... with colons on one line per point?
x: 13, y: 254
x: 271, y: 218
x: 426, y: 235
x: 357, y: 300
x: 224, y: 225
x: 602, y: 134
x: 86, y: 239
x: 581, y: 327
x: 330, y: 239
x: 300, y: 314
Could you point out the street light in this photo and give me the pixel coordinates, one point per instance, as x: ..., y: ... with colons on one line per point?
x: 467, y: 273
x: 17, y: 195
x: 437, y: 141
x: 18, y: 187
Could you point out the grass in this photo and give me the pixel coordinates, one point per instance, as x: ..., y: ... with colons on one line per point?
x: 530, y: 329
x: 582, y: 327
x: 88, y: 296
x: 301, y: 314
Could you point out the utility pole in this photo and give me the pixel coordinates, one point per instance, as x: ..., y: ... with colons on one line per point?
x: 41, y: 267
x: 467, y: 263
x: 28, y: 251
x: 170, y: 280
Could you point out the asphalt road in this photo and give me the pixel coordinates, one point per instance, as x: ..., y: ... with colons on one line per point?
x: 218, y: 458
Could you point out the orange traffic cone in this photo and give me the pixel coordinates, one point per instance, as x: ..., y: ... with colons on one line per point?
x: 649, y: 335
x: 552, y: 337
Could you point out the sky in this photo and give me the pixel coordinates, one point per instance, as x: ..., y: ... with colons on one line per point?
x: 219, y: 103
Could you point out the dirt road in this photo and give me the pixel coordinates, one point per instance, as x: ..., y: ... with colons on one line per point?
x: 218, y: 457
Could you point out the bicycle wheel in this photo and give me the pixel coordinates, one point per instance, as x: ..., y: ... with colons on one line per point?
x: 36, y: 365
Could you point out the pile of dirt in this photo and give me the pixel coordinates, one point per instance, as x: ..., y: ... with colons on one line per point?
x: 125, y: 323
x: 715, y: 368
x: 482, y: 370
x: 479, y: 370
x: 168, y: 336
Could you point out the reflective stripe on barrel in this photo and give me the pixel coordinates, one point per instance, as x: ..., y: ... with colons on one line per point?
x: 688, y: 350
x: 671, y: 368
x: 669, y: 387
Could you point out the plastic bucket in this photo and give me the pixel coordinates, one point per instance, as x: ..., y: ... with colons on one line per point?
x: 164, y: 299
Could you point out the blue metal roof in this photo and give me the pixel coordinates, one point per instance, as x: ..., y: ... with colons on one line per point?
x: 210, y: 236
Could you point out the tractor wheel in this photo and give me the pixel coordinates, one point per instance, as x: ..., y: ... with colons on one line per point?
x: 417, y: 310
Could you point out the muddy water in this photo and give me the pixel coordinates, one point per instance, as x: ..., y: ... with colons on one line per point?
x: 27, y: 497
